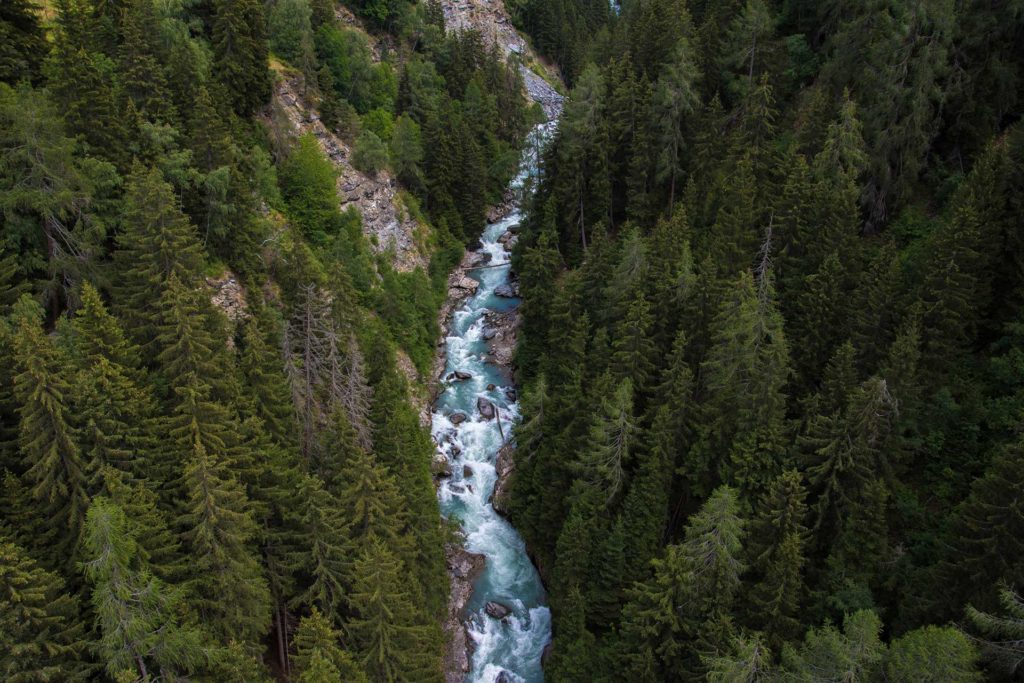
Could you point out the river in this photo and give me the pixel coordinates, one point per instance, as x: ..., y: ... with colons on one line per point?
x: 513, y: 645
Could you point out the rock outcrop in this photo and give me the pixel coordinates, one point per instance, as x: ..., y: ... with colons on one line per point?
x: 463, y: 569
x: 227, y: 294
x: 387, y: 225
x: 502, y: 343
x: 504, y: 469
x: 491, y: 19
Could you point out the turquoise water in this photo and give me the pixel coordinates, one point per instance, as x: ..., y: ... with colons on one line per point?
x: 515, y: 644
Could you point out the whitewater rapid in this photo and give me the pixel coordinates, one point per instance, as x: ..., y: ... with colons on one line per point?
x: 513, y: 645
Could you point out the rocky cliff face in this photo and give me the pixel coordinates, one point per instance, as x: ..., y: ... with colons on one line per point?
x: 386, y: 223
x: 491, y: 19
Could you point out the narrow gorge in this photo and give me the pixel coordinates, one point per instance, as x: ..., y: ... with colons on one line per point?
x: 499, y: 624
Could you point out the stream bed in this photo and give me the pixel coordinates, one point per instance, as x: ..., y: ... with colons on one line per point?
x: 509, y: 648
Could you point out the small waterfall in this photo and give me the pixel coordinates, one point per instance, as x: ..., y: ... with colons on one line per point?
x: 510, y: 648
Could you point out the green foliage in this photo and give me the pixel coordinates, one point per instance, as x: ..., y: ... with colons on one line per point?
x: 45, y: 639
x: 369, y: 154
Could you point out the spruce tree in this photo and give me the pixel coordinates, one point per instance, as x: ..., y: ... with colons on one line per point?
x: 157, y: 242
x: 240, y: 53
x: 142, y: 620
x: 693, y: 587
x: 44, y: 638
x: 323, y: 553
x: 225, y: 580
x: 393, y: 640
x: 776, y: 549
x: 745, y: 372
x: 53, y: 466
x: 318, y: 651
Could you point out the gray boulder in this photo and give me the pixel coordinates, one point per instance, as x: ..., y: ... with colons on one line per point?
x: 496, y: 610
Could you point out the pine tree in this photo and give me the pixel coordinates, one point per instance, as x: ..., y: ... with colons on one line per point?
x: 143, y: 630
x: 54, y: 468
x: 44, y: 639
x: 318, y: 651
x: 393, y: 641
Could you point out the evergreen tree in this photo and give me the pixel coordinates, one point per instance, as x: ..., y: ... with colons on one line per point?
x: 44, y: 637
x: 692, y: 587
x: 324, y: 554
x: 240, y: 53
x: 23, y: 40
x: 140, y: 618
x: 319, y: 655
x: 53, y: 466
x: 157, y: 242
x: 393, y: 641
x: 1003, y: 633
x: 777, y: 550
x: 745, y: 371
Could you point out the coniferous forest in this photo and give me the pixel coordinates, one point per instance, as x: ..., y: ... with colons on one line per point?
x: 197, y: 491
x: 771, y: 357
x: 771, y: 352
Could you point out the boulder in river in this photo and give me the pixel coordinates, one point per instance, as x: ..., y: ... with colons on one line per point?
x: 467, y: 471
x: 490, y: 334
x: 455, y: 451
x: 503, y: 677
x: 511, y: 395
x: 458, y: 418
x: 459, y: 376
x: 515, y: 228
x: 496, y: 610
x: 456, y: 488
x: 486, y: 408
x: 506, y: 290
x: 491, y: 387
x: 505, y: 237
x: 442, y: 468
